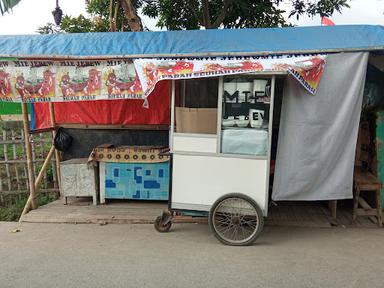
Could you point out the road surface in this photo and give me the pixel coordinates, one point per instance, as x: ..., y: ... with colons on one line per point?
x: 116, y: 255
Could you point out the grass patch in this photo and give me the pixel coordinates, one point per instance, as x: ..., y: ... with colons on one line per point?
x: 13, y: 211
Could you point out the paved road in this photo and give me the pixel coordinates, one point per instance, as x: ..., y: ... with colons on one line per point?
x: 89, y: 255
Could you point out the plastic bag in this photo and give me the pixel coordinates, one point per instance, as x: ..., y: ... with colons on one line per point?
x: 62, y: 140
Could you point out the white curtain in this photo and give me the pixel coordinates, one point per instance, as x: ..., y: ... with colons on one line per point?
x: 317, y: 138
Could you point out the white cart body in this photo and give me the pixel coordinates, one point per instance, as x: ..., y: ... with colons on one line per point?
x: 201, y: 173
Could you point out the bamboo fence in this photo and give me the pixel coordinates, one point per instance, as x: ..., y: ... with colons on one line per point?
x: 13, y: 163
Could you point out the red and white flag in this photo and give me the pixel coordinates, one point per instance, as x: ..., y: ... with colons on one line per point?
x: 325, y: 21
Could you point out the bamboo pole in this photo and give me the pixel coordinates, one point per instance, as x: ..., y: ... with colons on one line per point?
x: 28, y: 150
x: 46, y: 163
x: 13, y: 134
x: 8, y: 171
x: 22, y: 161
x: 57, y: 153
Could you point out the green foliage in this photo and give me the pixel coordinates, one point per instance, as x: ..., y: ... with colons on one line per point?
x: 195, y: 14
x: 7, y: 5
x: 82, y: 24
x: 312, y: 8
x: 13, y: 211
x: 97, y: 22
x: 173, y: 15
x: 79, y: 24
x: 179, y: 14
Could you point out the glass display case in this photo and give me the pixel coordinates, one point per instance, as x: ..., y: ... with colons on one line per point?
x: 245, y: 115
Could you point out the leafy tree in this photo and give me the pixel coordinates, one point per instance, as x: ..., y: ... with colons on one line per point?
x: 78, y: 24
x: 193, y: 14
x: 114, y: 15
x: 105, y: 15
x: 7, y: 5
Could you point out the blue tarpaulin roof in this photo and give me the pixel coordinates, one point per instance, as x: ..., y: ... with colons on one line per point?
x: 197, y: 42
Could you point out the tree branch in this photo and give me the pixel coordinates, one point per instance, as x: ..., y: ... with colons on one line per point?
x: 130, y: 13
x: 199, y: 20
x: 206, y: 21
x: 112, y: 28
x: 223, y: 13
x: 117, y: 8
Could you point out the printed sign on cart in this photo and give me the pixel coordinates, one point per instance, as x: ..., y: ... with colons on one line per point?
x: 78, y: 82
x: 306, y: 69
x: 82, y: 80
x: 63, y: 81
x: 26, y: 81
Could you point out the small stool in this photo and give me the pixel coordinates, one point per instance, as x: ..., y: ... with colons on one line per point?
x: 365, y: 181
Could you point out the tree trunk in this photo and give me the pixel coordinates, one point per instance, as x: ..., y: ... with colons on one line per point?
x: 206, y: 18
x: 130, y: 13
x: 223, y: 13
x: 112, y: 25
x: 206, y: 21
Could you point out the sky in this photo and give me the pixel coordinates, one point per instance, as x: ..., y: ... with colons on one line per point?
x: 29, y: 15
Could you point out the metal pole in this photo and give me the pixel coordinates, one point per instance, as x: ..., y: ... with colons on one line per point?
x: 172, y: 126
x: 28, y: 149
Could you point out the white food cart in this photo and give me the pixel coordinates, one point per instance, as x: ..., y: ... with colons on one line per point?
x: 223, y: 170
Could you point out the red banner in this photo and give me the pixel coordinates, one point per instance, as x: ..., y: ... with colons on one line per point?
x: 306, y: 69
x: 117, y: 112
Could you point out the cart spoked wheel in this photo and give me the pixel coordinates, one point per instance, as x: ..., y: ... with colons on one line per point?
x: 236, y: 219
x: 163, y: 223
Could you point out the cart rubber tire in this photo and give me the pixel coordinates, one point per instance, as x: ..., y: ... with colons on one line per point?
x: 160, y: 227
x: 258, y: 216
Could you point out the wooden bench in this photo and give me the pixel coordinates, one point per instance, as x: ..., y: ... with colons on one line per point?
x: 364, y: 181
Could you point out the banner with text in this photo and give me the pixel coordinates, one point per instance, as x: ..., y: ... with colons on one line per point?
x: 61, y: 81
x: 306, y: 69
x: 82, y: 80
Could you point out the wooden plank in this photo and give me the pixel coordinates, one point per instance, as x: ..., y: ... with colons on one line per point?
x: 124, y: 127
x: 13, y: 134
x: 5, y: 146
x: 57, y: 158
x: 43, y: 153
x: 39, y: 179
x: 33, y: 146
x: 366, y: 207
x: 25, y: 168
x: 22, y: 141
x: 1, y: 182
x: 24, y: 191
x: 28, y: 148
x: 365, y: 212
x: 54, y: 172
x: 332, y: 205
x: 22, y: 161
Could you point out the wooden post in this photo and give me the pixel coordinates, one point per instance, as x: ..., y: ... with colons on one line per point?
x: 47, y: 161
x: 5, y: 146
x: 57, y: 153
x: 28, y: 150
x: 24, y: 164
x: 332, y: 205
x: 13, y: 134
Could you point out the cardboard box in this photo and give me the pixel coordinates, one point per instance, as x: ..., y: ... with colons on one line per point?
x: 196, y: 120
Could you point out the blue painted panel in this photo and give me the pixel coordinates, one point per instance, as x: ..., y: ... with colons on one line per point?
x: 145, y: 181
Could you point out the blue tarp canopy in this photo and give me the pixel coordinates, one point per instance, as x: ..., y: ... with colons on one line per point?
x: 294, y: 40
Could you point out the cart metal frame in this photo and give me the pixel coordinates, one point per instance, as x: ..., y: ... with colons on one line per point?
x: 164, y: 222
